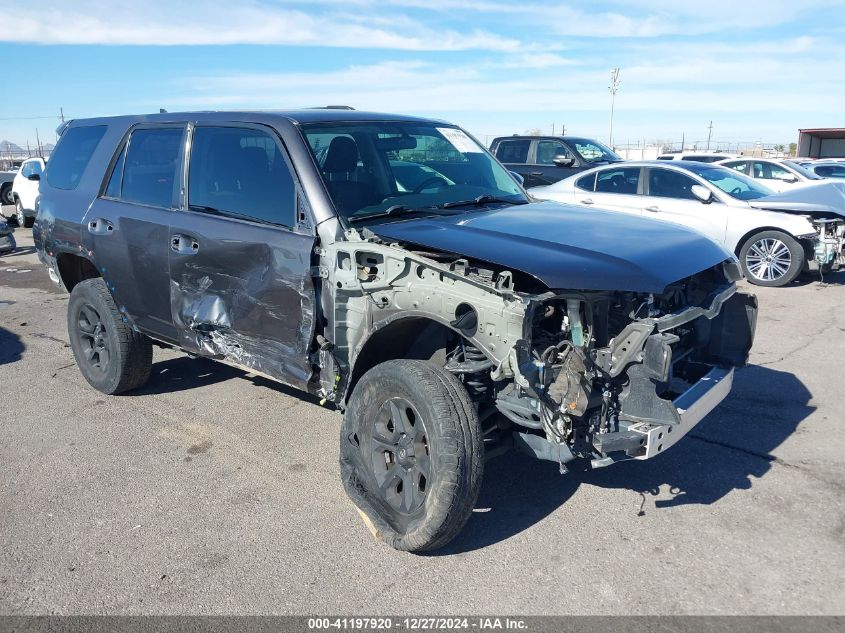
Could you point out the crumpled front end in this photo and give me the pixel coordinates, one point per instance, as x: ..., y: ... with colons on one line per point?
x: 603, y: 377
x: 828, y: 245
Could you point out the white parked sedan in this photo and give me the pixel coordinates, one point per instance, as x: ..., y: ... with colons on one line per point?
x: 773, y: 247
x: 776, y: 174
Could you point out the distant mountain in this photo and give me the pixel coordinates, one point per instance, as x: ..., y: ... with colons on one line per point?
x: 7, y: 147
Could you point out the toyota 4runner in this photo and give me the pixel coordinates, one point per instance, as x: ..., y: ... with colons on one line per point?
x: 391, y: 266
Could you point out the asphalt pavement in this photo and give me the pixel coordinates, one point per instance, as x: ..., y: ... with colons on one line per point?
x: 213, y: 491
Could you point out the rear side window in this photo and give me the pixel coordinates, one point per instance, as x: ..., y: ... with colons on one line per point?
x: 72, y: 155
x: 623, y: 180
x: 587, y: 183
x: 150, y: 167
x: 240, y: 172
x: 515, y: 151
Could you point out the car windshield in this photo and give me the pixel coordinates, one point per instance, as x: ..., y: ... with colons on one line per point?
x: 593, y: 151
x: 802, y: 170
x: 730, y: 181
x: 375, y: 169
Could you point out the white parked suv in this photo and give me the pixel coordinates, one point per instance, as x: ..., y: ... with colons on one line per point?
x: 773, y: 247
x: 25, y: 190
x: 701, y: 157
x: 779, y: 175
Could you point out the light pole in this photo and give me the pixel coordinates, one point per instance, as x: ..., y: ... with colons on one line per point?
x: 614, y: 86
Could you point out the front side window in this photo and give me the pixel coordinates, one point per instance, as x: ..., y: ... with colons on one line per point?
x: 623, y: 181
x: 770, y: 171
x: 731, y: 182
x: 666, y: 183
x: 72, y: 155
x: 515, y: 151
x: 240, y: 172
x: 151, y: 166
x: 592, y: 151
x: 547, y: 150
x: 371, y: 167
x: 740, y: 165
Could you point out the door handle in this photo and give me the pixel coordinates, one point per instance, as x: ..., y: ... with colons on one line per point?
x: 535, y: 173
x: 100, y: 226
x: 184, y: 244
x: 653, y: 209
x: 587, y: 201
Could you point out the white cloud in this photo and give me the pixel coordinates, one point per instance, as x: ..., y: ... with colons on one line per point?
x: 156, y: 23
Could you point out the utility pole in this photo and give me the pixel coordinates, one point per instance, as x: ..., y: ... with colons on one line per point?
x: 613, y: 87
x: 709, y: 132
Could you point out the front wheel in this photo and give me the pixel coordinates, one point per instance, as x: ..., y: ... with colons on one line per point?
x: 411, y: 454
x: 111, y: 356
x: 20, y: 216
x: 771, y: 258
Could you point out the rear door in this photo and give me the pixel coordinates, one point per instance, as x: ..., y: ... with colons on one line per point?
x: 241, y: 253
x: 127, y: 225
x: 668, y: 196
x: 616, y: 188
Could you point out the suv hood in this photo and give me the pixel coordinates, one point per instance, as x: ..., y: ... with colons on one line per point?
x: 567, y: 247
x: 825, y: 198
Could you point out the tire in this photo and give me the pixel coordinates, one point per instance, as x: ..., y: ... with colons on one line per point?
x: 430, y: 478
x: 771, y: 258
x: 20, y: 216
x: 112, y: 357
x: 6, y: 194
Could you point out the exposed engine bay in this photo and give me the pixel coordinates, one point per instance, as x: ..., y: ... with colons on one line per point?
x: 586, y: 377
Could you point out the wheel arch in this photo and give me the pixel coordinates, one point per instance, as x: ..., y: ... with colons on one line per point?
x: 761, y: 229
x: 73, y: 268
x: 419, y: 337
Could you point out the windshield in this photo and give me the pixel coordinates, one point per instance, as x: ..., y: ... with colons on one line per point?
x: 377, y: 168
x: 802, y: 170
x: 731, y: 181
x: 593, y: 151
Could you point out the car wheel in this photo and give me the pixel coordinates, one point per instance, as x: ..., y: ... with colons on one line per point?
x: 411, y: 454
x: 112, y: 357
x: 6, y: 194
x: 771, y: 258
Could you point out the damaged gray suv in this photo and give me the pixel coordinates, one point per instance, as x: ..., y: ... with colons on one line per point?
x: 391, y: 266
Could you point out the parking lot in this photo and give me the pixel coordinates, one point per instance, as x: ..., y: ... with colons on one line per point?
x: 213, y: 491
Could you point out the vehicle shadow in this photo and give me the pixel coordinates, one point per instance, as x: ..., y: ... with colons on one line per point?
x: 11, y: 347
x: 183, y: 373
x: 828, y: 279
x: 723, y: 453
x: 20, y: 250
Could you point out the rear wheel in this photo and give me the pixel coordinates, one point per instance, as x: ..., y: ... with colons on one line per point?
x: 6, y: 194
x: 411, y: 454
x: 112, y: 357
x: 771, y: 258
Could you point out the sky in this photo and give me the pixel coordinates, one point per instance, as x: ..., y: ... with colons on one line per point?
x: 759, y: 70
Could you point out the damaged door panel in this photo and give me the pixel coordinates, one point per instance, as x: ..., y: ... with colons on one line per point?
x: 240, y: 270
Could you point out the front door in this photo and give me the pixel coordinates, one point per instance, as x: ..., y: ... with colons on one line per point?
x: 240, y: 267
x: 544, y: 170
x: 669, y: 197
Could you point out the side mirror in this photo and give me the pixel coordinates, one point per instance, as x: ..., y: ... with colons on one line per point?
x: 35, y: 177
x: 518, y: 177
x: 563, y: 161
x: 790, y: 179
x: 702, y: 193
